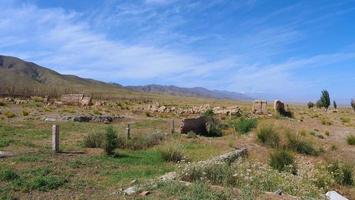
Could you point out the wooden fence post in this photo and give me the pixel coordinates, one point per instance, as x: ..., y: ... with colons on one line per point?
x: 172, y: 126
x: 128, y: 131
x: 55, y: 138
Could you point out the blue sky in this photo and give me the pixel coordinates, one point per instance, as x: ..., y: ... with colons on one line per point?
x: 278, y: 49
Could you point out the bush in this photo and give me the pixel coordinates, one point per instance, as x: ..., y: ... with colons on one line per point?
x: 352, y: 103
x: 244, y: 125
x: 25, y: 113
x: 342, y: 173
x: 94, y: 140
x: 208, y: 113
x: 2, y: 103
x: 9, y: 114
x: 299, y: 145
x: 110, y: 140
x: 268, y: 136
x: 310, y: 104
x: 8, y: 175
x: 282, y: 160
x: 172, y: 154
x: 350, y: 140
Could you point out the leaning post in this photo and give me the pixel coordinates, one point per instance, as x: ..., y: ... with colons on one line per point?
x: 128, y: 131
x: 55, y: 138
x: 172, y: 126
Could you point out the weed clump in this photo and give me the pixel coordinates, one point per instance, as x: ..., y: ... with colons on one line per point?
x: 343, y: 174
x: 25, y: 113
x: 350, y: 140
x: 94, y: 140
x: 9, y: 114
x: 172, y: 154
x: 299, y: 145
x: 244, y: 125
x: 268, y: 136
x: 8, y: 175
x: 282, y: 160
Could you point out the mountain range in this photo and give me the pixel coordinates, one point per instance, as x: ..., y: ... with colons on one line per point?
x: 18, y: 75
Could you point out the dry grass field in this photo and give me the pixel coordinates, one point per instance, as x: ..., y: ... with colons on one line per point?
x: 319, y: 142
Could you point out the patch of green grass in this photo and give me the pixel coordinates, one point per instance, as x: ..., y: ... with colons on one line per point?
x: 345, y: 119
x: 350, y: 140
x: 244, y: 125
x: 8, y: 175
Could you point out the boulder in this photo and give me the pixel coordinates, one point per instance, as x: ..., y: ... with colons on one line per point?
x: 279, y: 106
x: 259, y: 107
x: 196, y: 125
x: 333, y: 195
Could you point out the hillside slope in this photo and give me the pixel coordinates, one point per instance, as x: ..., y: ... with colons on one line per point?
x: 18, y: 76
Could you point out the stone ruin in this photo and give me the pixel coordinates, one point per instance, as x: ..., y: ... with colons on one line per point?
x: 279, y: 106
x: 260, y: 107
x: 76, y: 99
x: 196, y: 125
x: 231, y: 110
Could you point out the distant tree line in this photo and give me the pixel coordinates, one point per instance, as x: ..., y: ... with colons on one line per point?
x: 324, y: 102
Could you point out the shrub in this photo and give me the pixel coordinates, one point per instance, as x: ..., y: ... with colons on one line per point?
x: 282, y: 160
x: 110, y: 140
x: 172, y: 154
x: 327, y: 133
x: 2, y: 103
x: 341, y: 172
x: 310, y: 104
x: 352, y: 103
x: 350, y: 140
x: 8, y: 175
x: 214, y: 128
x: 268, y: 136
x: 326, y: 121
x: 244, y: 125
x: 208, y: 113
x: 345, y: 119
x: 299, y: 145
x: 94, y: 140
x: 9, y: 114
x: 25, y: 113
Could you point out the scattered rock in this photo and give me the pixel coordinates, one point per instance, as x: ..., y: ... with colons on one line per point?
x: 144, y: 193
x: 131, y: 190
x: 278, y: 192
x: 50, y: 119
x: 168, y: 176
x: 333, y: 195
x: 4, y: 154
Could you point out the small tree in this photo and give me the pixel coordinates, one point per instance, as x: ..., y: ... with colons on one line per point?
x: 353, y: 103
x: 325, y: 99
x: 111, y: 140
x: 335, y: 105
x: 310, y: 105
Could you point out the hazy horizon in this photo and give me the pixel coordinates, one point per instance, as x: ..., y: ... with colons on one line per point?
x: 288, y: 50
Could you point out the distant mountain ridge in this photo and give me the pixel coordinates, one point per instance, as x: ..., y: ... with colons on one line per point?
x: 193, y: 92
x: 21, y: 77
